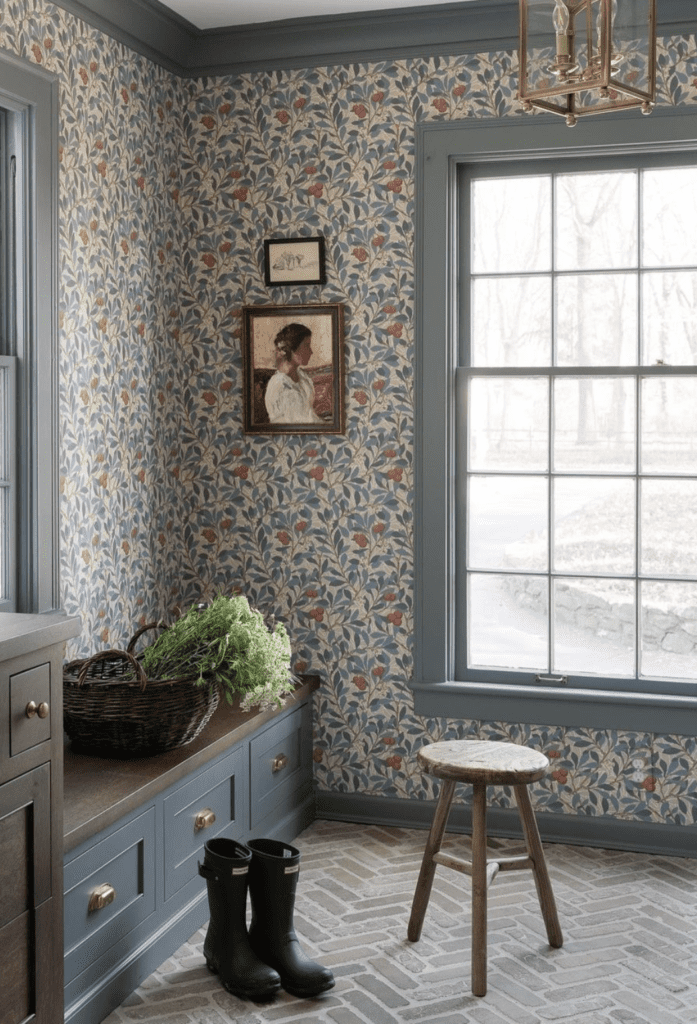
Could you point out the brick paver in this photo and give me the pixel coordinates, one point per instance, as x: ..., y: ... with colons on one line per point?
x: 629, y: 954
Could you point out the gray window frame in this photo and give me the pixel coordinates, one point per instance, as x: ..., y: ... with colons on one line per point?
x: 8, y: 484
x: 441, y: 148
x: 29, y: 98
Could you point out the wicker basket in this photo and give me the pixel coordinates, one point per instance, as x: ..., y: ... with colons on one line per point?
x: 109, y: 716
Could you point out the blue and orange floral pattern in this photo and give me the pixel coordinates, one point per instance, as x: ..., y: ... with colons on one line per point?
x: 168, y: 190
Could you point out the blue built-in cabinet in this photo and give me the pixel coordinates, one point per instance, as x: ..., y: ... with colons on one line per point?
x: 135, y: 830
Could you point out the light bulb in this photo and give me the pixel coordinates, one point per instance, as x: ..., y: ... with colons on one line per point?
x: 599, y: 22
x: 560, y: 18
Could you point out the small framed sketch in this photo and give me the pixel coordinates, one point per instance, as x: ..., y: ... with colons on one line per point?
x: 293, y: 369
x: 294, y: 261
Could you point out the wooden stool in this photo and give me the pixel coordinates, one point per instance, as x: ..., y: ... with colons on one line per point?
x: 483, y: 763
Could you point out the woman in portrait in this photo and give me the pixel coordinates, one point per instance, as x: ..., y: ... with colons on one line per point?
x: 290, y: 393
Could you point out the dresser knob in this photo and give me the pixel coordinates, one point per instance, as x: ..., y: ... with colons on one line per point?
x: 33, y: 708
x: 279, y: 763
x: 204, y: 819
x: 101, y: 897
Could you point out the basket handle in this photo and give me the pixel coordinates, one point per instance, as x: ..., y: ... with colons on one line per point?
x: 137, y: 635
x: 141, y: 677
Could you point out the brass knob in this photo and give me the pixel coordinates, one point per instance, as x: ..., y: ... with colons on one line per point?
x: 279, y: 763
x: 101, y: 897
x: 204, y: 819
x: 33, y: 708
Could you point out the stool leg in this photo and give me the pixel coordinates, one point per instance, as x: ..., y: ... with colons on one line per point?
x: 428, y: 868
x: 479, y: 889
x: 537, y: 856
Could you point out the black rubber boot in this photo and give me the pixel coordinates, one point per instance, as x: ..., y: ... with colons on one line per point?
x: 273, y: 879
x: 226, y: 948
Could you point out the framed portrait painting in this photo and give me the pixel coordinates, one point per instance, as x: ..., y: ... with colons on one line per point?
x: 293, y: 369
x: 294, y: 261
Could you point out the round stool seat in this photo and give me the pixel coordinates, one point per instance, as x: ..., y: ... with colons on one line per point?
x: 491, y: 762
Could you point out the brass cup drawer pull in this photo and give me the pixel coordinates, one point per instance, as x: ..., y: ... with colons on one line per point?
x: 279, y: 762
x: 204, y: 819
x: 33, y: 709
x: 101, y: 897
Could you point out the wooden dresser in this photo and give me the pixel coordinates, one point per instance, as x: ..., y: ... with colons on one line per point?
x: 134, y: 831
x: 31, y: 821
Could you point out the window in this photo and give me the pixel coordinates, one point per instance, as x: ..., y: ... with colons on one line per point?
x: 577, y: 534
x: 557, y: 470
x: 28, y: 338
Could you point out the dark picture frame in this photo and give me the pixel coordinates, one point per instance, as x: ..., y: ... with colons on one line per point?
x: 294, y: 261
x: 294, y: 381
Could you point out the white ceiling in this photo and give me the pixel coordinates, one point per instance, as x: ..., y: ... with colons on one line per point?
x: 225, y: 13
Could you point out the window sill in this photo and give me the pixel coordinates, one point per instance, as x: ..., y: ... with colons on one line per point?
x: 660, y: 714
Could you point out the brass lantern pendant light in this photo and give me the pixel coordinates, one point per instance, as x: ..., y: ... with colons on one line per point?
x: 580, y: 57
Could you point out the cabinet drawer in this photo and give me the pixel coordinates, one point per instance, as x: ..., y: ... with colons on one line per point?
x: 210, y: 805
x: 30, y: 708
x: 277, y: 765
x: 124, y: 861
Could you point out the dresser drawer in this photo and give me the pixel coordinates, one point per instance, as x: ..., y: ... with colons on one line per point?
x: 123, y: 862
x: 278, y: 760
x: 212, y: 804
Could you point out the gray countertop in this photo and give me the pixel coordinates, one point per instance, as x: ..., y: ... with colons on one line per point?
x: 21, y: 634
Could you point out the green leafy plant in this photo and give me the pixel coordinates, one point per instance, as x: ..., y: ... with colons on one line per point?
x: 227, y: 644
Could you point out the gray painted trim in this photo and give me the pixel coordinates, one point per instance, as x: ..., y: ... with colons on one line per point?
x: 440, y: 147
x: 576, y: 830
x: 145, y: 26
x: 355, y: 38
x: 660, y: 714
x: 33, y: 93
x: 150, y: 28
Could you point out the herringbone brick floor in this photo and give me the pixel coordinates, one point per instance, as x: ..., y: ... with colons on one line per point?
x: 629, y: 955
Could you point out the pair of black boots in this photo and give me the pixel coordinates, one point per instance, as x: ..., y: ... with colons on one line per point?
x: 256, y: 964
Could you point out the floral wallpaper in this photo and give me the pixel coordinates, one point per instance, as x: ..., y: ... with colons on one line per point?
x: 168, y: 189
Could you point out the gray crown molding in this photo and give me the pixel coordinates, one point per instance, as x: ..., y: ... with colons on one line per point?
x: 357, y: 38
x: 145, y: 26
x: 150, y: 28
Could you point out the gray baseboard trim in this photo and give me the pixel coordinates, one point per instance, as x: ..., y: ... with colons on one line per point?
x: 154, y: 30
x: 575, y: 830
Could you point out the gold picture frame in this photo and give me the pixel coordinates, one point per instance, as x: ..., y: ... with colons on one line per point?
x: 294, y: 378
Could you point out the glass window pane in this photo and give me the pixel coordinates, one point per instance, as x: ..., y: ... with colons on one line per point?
x: 509, y: 423
x: 595, y: 424
x: 507, y: 523
x: 594, y: 627
x: 597, y: 323
x: 668, y: 630
x: 511, y: 225
x: 596, y: 225
x: 511, y: 321
x: 669, y: 527
x: 594, y: 525
x: 670, y: 324
x: 507, y: 623
x: 669, y: 205
x: 669, y: 425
